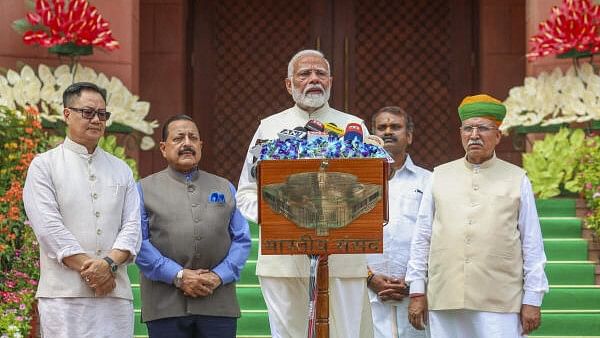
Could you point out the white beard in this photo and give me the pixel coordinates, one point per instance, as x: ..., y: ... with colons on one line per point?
x: 310, y: 100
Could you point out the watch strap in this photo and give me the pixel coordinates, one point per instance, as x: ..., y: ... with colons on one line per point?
x: 113, y: 266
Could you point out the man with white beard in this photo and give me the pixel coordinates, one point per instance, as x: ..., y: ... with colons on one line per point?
x: 284, y: 279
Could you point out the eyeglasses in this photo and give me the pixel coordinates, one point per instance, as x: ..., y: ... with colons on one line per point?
x: 482, y: 129
x: 89, y: 113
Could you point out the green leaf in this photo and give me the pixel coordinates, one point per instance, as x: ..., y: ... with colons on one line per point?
x: 21, y: 26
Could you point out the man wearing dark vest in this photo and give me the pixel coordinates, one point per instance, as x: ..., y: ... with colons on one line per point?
x: 195, y: 243
x: 478, y: 242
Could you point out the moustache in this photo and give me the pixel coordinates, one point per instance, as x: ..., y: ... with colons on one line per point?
x: 389, y: 138
x: 475, y: 142
x: 313, y: 86
x: 187, y: 150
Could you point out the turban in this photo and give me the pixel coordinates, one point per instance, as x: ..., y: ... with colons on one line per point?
x: 481, y: 105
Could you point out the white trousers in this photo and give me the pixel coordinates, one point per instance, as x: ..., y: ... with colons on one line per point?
x: 86, y: 317
x: 390, y: 319
x: 287, y: 303
x: 474, y: 324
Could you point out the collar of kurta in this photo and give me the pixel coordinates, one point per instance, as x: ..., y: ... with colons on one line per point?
x: 78, y: 148
x: 487, y: 164
x: 183, y: 177
x: 408, y: 165
x: 318, y: 114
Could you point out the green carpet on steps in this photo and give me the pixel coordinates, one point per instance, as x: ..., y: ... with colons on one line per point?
x: 569, y: 249
x: 559, y: 207
x: 572, y: 306
x: 561, y: 227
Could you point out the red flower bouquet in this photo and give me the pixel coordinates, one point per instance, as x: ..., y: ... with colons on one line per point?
x: 66, y: 27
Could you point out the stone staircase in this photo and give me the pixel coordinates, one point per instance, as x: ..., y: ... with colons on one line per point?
x: 570, y: 309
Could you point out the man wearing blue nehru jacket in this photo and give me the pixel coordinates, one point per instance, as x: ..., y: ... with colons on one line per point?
x: 284, y: 279
x: 195, y: 243
x: 478, y: 243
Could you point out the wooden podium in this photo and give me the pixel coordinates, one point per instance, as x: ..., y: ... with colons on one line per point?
x: 322, y: 207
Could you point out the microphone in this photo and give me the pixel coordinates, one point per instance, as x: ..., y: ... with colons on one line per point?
x: 353, y: 131
x: 297, y: 133
x: 314, y: 125
x: 333, y: 129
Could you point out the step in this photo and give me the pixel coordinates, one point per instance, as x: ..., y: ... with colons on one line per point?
x: 569, y: 323
x: 569, y: 249
x: 572, y: 297
x: 254, y: 322
x: 570, y: 272
x: 253, y: 229
x: 134, y: 274
x: 139, y: 328
x: 137, y: 298
x: 556, y: 207
x: 254, y: 249
x: 561, y: 227
x: 250, y: 298
x: 248, y: 275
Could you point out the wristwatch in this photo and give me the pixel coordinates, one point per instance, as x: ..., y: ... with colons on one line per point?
x: 111, y: 264
x: 178, y: 279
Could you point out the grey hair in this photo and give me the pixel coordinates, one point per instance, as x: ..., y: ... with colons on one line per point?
x: 303, y: 53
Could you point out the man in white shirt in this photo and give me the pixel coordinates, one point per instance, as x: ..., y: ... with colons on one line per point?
x: 478, y: 244
x: 84, y: 209
x: 387, y: 289
x: 284, y: 279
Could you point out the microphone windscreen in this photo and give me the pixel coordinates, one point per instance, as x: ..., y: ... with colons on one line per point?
x: 314, y: 125
x: 353, y: 131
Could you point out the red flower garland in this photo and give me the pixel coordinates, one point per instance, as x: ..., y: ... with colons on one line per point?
x: 79, y: 23
x: 572, y: 28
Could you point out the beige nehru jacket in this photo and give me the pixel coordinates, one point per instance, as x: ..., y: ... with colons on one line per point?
x: 476, y: 260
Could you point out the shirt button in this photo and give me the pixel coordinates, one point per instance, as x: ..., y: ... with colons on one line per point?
x: 190, y: 189
x: 473, y: 204
x: 470, y: 221
x: 97, y: 213
x: 90, y: 160
x: 194, y: 205
x: 98, y: 252
x: 99, y: 231
x: 95, y: 196
x: 467, y: 260
x: 475, y: 187
x: 92, y: 177
x: 196, y: 220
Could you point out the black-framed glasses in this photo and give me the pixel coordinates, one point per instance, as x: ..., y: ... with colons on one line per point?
x: 468, y: 129
x: 89, y: 113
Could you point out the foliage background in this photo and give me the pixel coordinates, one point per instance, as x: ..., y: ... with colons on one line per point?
x: 21, y: 137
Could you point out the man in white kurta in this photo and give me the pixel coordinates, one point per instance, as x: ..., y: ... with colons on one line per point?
x: 284, y: 279
x: 478, y: 246
x: 387, y: 289
x: 84, y: 209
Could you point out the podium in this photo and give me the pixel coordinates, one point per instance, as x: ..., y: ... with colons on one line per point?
x: 322, y: 207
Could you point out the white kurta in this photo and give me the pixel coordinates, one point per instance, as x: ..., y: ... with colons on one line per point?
x: 535, y: 281
x: 281, y: 275
x: 390, y: 319
x: 81, y: 203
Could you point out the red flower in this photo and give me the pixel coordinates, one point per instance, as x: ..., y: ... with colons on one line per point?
x: 79, y: 23
x: 574, y: 26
